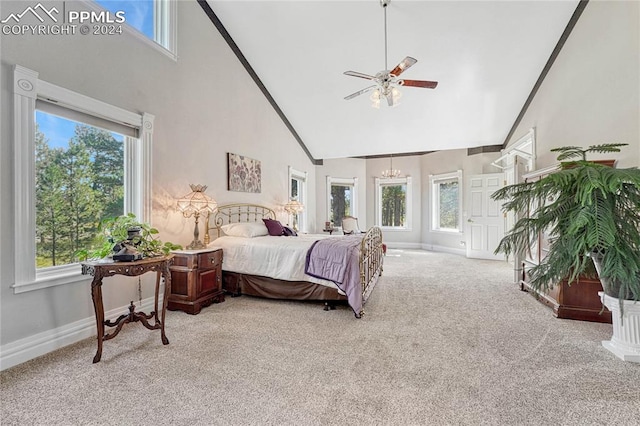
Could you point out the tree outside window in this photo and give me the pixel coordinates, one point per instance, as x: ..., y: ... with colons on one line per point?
x: 341, y: 201
x: 393, y: 203
x: 79, y: 182
x: 449, y: 214
x: 446, y: 202
x: 294, y: 189
x: 298, y: 191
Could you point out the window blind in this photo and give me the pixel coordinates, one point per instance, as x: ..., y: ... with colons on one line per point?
x: 60, y: 110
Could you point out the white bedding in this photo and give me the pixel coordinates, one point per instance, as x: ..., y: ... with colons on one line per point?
x: 282, y: 258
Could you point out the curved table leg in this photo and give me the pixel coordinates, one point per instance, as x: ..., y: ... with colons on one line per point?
x: 155, y: 300
x: 167, y: 291
x: 96, y: 294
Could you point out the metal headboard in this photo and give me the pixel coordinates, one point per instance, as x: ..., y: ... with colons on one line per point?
x: 236, y: 213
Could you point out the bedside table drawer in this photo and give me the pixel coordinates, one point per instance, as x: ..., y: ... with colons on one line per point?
x: 210, y: 260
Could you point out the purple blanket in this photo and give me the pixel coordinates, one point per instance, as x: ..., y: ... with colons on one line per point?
x: 337, y: 260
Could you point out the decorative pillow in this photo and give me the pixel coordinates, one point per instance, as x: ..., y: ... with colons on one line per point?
x: 247, y: 230
x: 288, y: 232
x: 274, y: 226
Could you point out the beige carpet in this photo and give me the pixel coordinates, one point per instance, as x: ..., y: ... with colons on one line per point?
x: 445, y: 340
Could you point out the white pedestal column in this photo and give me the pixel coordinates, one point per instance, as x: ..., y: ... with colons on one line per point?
x: 625, y: 343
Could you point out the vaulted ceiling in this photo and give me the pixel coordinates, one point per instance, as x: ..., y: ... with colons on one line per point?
x: 485, y: 55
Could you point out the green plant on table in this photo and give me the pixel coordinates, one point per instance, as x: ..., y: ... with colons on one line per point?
x: 115, y: 231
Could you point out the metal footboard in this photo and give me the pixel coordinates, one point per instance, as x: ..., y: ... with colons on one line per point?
x: 371, y: 259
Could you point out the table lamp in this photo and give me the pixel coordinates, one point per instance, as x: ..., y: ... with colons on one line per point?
x: 194, y: 204
x: 294, y: 207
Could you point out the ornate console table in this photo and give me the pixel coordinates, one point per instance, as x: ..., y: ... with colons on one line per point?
x: 102, y: 269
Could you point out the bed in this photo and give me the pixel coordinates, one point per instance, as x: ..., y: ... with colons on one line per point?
x: 276, y: 266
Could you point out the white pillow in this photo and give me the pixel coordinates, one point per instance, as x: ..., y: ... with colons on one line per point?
x: 247, y: 230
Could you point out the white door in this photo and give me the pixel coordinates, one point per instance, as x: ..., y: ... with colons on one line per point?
x: 484, y: 219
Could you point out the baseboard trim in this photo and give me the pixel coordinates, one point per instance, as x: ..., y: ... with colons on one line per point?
x: 443, y: 249
x: 428, y: 247
x: 23, y: 350
x: 393, y: 245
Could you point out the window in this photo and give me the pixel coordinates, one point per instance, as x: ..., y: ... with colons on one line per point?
x: 298, y: 191
x: 64, y: 186
x: 153, y: 20
x: 342, y: 199
x: 393, y: 203
x: 79, y: 182
x: 446, y: 202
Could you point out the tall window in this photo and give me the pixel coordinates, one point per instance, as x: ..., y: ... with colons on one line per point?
x: 76, y: 160
x: 79, y: 182
x: 298, y: 191
x: 446, y: 202
x: 393, y: 203
x: 342, y: 199
x: 154, y: 20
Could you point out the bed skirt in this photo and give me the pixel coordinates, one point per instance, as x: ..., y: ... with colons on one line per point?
x: 252, y: 285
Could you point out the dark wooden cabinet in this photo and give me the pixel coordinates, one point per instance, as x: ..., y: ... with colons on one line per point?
x: 196, y: 280
x: 578, y: 301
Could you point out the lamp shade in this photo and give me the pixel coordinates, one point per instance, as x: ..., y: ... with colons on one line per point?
x: 294, y: 206
x: 196, y: 202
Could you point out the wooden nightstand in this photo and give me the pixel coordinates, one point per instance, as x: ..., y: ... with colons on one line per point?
x: 196, y: 280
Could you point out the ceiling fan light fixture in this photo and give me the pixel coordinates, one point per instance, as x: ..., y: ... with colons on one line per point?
x: 387, y: 80
x: 395, y: 95
x: 375, y: 99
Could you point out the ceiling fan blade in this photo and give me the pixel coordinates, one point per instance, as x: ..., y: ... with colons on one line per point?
x: 359, y: 74
x: 403, y: 65
x: 420, y: 83
x: 360, y: 92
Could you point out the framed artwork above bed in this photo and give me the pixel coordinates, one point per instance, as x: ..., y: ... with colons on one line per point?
x: 244, y: 174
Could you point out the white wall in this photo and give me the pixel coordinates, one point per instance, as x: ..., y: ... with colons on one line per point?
x: 592, y: 93
x: 347, y: 168
x: 205, y: 105
x: 447, y: 162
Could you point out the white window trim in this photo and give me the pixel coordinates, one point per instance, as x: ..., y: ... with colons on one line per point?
x: 343, y: 181
x: 434, y: 180
x: 27, y: 88
x: 302, y: 177
x: 165, y: 28
x: 380, y: 182
x: 524, y: 147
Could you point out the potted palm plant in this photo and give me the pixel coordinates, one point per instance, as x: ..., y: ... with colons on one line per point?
x: 590, y: 211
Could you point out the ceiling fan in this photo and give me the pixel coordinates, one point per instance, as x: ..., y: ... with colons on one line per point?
x: 387, y: 82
